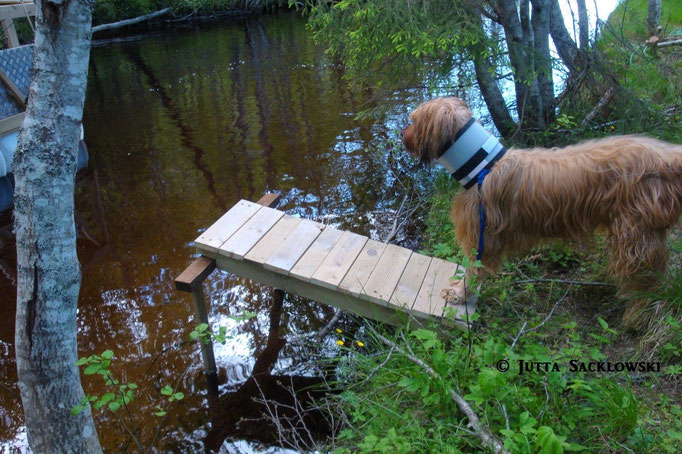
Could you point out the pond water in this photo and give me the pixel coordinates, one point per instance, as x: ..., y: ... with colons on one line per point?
x: 180, y: 126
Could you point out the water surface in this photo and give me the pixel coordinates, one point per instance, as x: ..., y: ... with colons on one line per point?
x: 180, y: 126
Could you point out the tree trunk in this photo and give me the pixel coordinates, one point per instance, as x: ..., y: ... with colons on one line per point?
x: 493, y: 96
x: 653, y: 16
x: 543, y: 59
x: 565, y: 46
x: 528, y: 99
x: 583, y: 25
x: 524, y: 15
x: 487, y: 83
x: 47, y: 266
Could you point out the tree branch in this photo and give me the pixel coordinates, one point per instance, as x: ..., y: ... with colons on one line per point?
x: 488, y: 439
x: 134, y: 20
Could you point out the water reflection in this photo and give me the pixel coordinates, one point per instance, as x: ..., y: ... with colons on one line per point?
x: 180, y: 126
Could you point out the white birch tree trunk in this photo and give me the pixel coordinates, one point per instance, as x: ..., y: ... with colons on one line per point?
x: 47, y: 266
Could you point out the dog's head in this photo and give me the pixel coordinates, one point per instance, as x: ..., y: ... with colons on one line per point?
x: 434, y: 126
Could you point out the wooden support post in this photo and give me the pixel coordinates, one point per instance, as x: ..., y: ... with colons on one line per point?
x: 191, y: 281
x: 10, y: 33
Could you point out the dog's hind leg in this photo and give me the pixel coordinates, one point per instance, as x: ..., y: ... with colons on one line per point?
x: 639, y: 259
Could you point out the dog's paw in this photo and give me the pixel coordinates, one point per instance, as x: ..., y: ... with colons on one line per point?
x: 454, y: 293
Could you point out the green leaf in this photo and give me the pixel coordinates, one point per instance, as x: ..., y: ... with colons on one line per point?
x: 548, y: 442
x: 202, y: 327
x: 193, y: 335
x: 179, y: 396
x: 76, y: 410
x: 166, y: 390
x: 114, y: 406
x: 108, y: 397
x: 82, y: 361
x: 92, y: 369
x: 160, y: 413
x: 107, y: 354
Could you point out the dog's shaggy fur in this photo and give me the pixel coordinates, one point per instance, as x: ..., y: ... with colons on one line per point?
x: 629, y: 187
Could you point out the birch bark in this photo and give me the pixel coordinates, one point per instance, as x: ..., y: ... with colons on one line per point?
x: 47, y: 266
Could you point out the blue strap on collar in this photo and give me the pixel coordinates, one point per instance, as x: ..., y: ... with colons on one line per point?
x: 481, y: 214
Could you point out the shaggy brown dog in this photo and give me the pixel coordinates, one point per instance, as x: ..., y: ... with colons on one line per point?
x: 629, y: 187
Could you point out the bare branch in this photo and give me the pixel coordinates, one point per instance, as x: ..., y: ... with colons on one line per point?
x: 488, y: 439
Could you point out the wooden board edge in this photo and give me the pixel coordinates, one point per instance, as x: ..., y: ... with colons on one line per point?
x: 195, y: 274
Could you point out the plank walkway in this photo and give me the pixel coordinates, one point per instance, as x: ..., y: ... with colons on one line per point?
x: 340, y: 268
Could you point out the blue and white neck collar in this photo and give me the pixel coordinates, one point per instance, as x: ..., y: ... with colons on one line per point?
x: 473, y: 150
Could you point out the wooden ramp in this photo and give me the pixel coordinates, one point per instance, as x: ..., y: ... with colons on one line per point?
x: 340, y: 268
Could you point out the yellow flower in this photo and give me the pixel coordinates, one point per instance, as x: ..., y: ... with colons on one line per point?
x: 340, y: 342
x: 360, y: 344
x: 338, y: 331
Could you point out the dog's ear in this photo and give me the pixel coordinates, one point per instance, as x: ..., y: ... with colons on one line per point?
x: 434, y: 126
x: 409, y: 140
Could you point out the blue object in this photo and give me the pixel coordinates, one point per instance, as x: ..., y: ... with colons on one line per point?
x: 6, y: 192
x: 481, y: 214
x: 8, y: 144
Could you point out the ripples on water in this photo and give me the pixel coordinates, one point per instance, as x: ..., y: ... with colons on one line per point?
x: 180, y: 126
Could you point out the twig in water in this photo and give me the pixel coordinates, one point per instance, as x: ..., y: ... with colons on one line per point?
x: 328, y: 327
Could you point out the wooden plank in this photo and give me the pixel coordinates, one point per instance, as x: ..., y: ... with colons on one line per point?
x: 194, y: 274
x: 410, y: 282
x: 316, y: 253
x: 18, y: 96
x: 270, y: 199
x: 294, y: 246
x: 250, y: 233
x: 356, y: 277
x: 250, y: 270
x: 15, y: 11
x: 272, y: 239
x: 11, y: 124
x: 10, y: 33
x: 336, y: 264
x: 386, y: 274
x: 223, y: 228
x: 430, y: 299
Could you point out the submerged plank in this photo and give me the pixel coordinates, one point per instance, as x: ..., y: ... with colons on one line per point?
x: 224, y: 227
x: 285, y: 256
x: 386, y: 274
x: 333, y: 268
x: 356, y: 277
x: 272, y: 239
x: 316, y: 253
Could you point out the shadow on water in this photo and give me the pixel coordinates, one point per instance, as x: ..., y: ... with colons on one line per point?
x: 181, y: 126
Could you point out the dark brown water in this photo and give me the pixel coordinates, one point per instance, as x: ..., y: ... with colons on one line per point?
x: 180, y: 126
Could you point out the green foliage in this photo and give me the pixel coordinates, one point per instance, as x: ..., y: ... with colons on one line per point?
x: 204, y: 334
x: 402, y: 37
x: 121, y: 394
x: 546, y: 411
